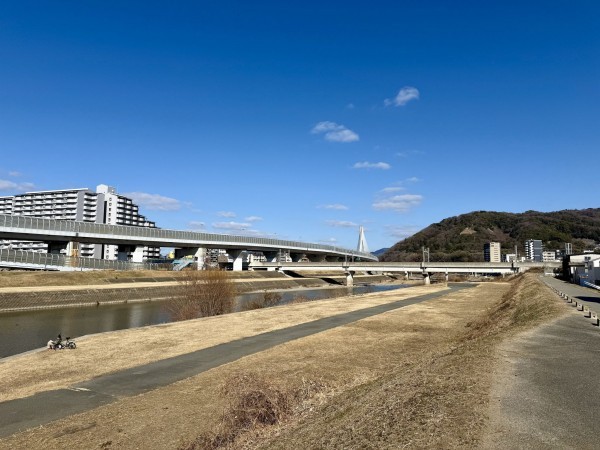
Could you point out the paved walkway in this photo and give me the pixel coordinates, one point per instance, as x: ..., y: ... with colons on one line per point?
x: 547, y: 394
x: 18, y: 415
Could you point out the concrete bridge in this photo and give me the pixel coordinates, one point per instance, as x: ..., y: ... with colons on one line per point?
x: 58, y: 233
x: 426, y: 269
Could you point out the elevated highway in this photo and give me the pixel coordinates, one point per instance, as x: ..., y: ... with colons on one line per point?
x: 64, y: 231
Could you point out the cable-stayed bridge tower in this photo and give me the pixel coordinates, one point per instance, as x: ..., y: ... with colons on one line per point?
x: 362, y: 241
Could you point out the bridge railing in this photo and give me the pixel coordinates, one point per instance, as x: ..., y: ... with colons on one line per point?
x: 51, y: 260
x: 69, y: 226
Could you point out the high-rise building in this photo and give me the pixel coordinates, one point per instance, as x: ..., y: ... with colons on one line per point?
x: 533, y: 250
x: 82, y: 205
x: 492, y: 252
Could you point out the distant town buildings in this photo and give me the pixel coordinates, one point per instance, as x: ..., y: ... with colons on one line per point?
x: 492, y: 252
x: 82, y: 205
x: 533, y: 250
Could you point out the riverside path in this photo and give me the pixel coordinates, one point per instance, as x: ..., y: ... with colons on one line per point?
x: 546, y: 391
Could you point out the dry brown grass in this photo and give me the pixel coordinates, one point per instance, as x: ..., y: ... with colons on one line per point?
x: 436, y: 400
x: 348, y: 359
x: 204, y: 293
x: 27, y: 374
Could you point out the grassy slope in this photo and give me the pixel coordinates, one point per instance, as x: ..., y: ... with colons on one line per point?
x: 438, y: 401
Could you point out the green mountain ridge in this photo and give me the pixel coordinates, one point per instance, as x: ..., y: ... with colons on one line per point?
x: 461, y: 238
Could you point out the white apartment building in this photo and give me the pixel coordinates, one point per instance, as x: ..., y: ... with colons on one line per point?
x: 82, y: 205
x: 492, y: 252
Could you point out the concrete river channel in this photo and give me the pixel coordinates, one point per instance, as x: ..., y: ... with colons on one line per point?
x: 28, y: 330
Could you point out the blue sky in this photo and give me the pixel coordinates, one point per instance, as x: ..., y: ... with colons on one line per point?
x: 303, y: 120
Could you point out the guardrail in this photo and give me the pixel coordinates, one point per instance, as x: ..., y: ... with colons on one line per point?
x: 157, y: 235
x: 49, y: 261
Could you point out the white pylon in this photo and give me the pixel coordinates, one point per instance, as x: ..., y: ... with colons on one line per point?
x: 362, y: 242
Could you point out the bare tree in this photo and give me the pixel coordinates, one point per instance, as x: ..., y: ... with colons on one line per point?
x: 203, y: 293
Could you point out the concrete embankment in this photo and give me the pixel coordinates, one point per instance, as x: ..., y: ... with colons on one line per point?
x: 124, y: 290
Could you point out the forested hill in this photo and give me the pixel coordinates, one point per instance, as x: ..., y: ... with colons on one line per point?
x: 461, y: 238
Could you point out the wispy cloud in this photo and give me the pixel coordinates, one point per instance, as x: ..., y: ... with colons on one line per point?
x: 14, y: 173
x: 228, y: 214
x: 335, y: 206
x: 370, y: 165
x: 253, y: 219
x: 401, y: 232
x: 392, y: 189
x: 405, y: 95
x: 408, y: 153
x: 154, y: 202
x: 350, y: 106
x: 399, y: 203
x: 335, y: 133
x: 11, y: 186
x: 231, y: 225
x: 195, y: 225
x: 341, y: 224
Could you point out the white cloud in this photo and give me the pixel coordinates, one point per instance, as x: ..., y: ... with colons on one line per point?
x: 392, y: 189
x: 398, y: 203
x: 154, y: 202
x: 253, y: 219
x: 341, y: 224
x: 369, y: 165
x: 228, y: 214
x: 412, y: 180
x: 195, y: 225
x: 14, y: 173
x: 6, y: 186
x: 238, y: 226
x: 335, y: 206
x: 401, y: 232
x: 405, y: 95
x: 334, y: 132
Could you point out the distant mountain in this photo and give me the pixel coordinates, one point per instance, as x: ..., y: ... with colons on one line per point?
x: 461, y: 238
x: 381, y: 251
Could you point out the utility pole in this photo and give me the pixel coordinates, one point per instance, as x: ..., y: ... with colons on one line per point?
x: 425, y: 253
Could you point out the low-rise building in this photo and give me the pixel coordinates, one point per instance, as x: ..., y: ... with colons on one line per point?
x: 492, y: 252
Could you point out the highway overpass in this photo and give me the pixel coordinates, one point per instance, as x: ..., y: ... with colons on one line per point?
x: 63, y: 231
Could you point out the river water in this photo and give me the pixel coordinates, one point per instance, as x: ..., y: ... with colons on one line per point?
x: 28, y: 330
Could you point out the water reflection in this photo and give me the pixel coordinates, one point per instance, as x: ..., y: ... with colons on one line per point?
x: 28, y: 330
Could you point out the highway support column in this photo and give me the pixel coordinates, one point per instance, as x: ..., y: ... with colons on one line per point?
x: 236, y: 255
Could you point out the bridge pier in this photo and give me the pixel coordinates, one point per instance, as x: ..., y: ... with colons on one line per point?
x: 317, y: 258
x: 198, y: 254
x: 236, y: 255
x: 298, y: 257
x: 271, y: 256
x: 138, y: 254
x: 349, y: 278
x: 426, y: 278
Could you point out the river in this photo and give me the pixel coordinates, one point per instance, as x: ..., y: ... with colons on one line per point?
x: 28, y: 330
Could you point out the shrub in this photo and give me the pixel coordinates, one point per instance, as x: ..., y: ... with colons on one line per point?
x: 203, y: 293
x: 268, y: 299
